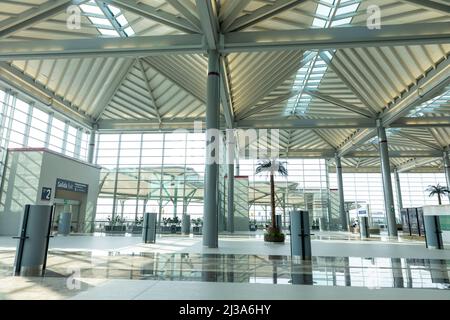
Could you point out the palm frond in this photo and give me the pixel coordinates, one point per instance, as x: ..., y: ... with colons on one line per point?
x: 437, y: 189
x: 271, y: 165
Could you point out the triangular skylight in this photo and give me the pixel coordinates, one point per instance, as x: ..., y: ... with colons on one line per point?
x: 329, y: 13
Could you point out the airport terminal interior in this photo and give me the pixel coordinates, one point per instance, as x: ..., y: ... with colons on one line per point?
x: 224, y: 149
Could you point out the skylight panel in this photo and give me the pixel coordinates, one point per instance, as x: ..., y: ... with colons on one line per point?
x: 100, y: 21
x: 115, y: 11
x: 108, y: 32
x: 341, y: 22
x: 312, y: 72
x: 323, y: 10
x: 93, y: 9
x: 347, y: 9
x: 122, y: 20
x: 129, y: 31
x: 107, y: 19
x: 319, y: 23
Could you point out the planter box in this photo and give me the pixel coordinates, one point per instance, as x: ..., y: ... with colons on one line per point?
x: 136, y: 229
x: 116, y: 229
x: 197, y: 230
x: 165, y: 229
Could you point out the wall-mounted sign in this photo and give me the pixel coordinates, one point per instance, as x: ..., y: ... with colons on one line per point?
x: 46, y: 194
x: 71, y: 186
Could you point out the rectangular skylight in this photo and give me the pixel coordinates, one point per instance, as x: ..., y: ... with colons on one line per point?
x: 109, y: 20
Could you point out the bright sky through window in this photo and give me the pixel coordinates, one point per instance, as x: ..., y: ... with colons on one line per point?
x: 105, y: 19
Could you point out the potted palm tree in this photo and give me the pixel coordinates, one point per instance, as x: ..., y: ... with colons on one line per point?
x: 438, y: 190
x: 272, y: 166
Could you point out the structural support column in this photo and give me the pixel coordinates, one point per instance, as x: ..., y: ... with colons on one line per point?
x: 447, y: 169
x: 387, y: 183
x: 231, y: 145
x: 399, y: 189
x: 342, y: 213
x: 92, y: 144
x: 210, y: 214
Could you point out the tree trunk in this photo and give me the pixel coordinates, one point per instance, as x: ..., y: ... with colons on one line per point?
x: 439, y: 198
x: 272, y: 199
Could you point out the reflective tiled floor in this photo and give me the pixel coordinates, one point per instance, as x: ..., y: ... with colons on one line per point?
x: 244, y: 268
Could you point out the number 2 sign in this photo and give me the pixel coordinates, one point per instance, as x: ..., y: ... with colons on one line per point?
x: 46, y: 194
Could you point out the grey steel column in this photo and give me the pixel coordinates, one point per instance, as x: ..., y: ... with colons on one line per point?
x: 342, y: 213
x: 210, y: 219
x: 399, y: 189
x: 230, y: 160
x: 91, y: 148
x: 387, y: 183
x: 447, y: 169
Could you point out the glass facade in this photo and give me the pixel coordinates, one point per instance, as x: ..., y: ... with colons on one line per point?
x: 154, y: 172
x: 25, y: 125
x: 367, y: 188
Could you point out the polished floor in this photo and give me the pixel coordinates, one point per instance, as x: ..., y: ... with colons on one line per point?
x: 88, y: 267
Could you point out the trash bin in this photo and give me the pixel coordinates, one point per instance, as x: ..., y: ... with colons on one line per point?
x: 364, y: 227
x: 433, y: 232
x: 149, y: 228
x: 65, y: 220
x: 300, y: 234
x: 31, y: 253
x: 186, y: 224
x: 278, y: 221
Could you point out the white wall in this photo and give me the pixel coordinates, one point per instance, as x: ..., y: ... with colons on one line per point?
x: 35, y: 172
x: 56, y: 166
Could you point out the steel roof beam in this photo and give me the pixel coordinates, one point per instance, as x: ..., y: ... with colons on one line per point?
x: 430, y: 5
x: 395, y: 35
x: 419, y: 141
x: 101, y: 47
x: 155, y: 14
x: 190, y: 17
x: 337, y: 38
x: 295, y: 124
x: 230, y: 11
x: 285, y: 123
x: 35, y: 15
x: 325, y: 153
x: 413, y: 164
x: 263, y: 13
x: 225, y: 95
x: 149, y: 89
x: 423, y: 122
x: 339, y: 103
x: 208, y: 17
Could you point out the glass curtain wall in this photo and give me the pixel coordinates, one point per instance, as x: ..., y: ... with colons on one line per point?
x: 22, y: 124
x: 304, y: 188
x: 150, y: 172
x: 367, y: 188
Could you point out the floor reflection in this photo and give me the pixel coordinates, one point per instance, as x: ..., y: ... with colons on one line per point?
x: 324, y: 271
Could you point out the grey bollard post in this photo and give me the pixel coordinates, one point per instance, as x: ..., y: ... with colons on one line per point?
x: 149, y: 228
x: 364, y: 227
x: 278, y: 221
x: 186, y: 224
x: 433, y: 233
x: 31, y: 253
x: 301, y: 271
x: 300, y: 234
x: 65, y: 220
